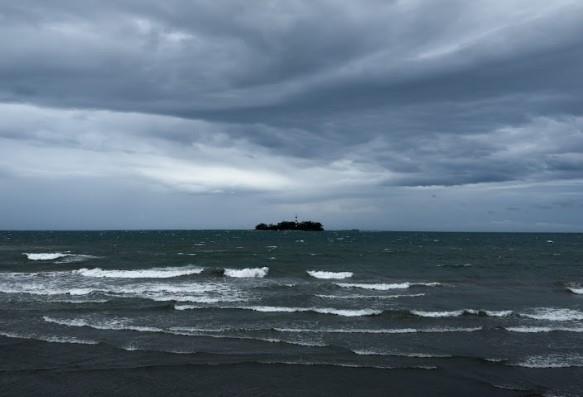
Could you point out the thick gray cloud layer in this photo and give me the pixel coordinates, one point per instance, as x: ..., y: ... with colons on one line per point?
x: 405, y: 114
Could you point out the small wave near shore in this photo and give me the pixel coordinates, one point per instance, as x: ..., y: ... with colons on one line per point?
x: 387, y: 286
x: 156, y: 272
x: 257, y: 272
x: 324, y: 275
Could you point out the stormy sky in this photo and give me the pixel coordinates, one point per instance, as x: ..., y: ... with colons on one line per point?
x: 390, y: 115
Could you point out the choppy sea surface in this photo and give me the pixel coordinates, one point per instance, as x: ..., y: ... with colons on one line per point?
x: 288, y: 313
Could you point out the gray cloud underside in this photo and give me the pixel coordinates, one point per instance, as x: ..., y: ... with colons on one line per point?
x: 323, y: 107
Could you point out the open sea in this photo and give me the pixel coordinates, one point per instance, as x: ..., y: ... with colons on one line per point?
x: 342, y: 313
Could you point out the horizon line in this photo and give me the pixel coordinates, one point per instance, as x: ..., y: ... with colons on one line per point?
x: 267, y: 231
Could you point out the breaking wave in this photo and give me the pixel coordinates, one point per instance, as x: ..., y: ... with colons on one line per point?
x: 552, y: 361
x: 122, y: 325
x: 329, y: 275
x: 284, y: 309
x: 45, y: 256
x: 369, y: 296
x: 457, y: 313
x: 400, y: 354
x: 575, y: 289
x: 526, y: 329
x: 347, y: 365
x: 156, y: 272
x: 113, y: 325
x: 554, y: 314
x: 75, y: 258
x: 82, y: 282
x: 378, y: 331
x: 386, y: 287
x: 247, y: 272
x: 50, y: 339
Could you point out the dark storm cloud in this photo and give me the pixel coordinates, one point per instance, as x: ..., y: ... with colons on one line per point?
x: 298, y: 101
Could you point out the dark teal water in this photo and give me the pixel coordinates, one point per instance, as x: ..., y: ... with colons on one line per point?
x: 417, y: 313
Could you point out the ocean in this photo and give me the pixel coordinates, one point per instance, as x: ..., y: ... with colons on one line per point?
x: 246, y: 313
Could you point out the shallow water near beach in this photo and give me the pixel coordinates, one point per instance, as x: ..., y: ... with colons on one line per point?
x: 284, y: 313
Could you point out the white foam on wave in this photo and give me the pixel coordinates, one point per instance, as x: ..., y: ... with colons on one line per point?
x: 111, y: 325
x: 75, y: 258
x: 453, y: 313
x: 185, y: 331
x: 329, y: 275
x: 285, y: 309
x: 554, y: 314
x: 457, y: 313
x: 43, y: 290
x: 44, y: 256
x: 527, y: 329
x: 575, y: 290
x: 498, y: 313
x: 400, y: 354
x: 50, y: 339
x: 552, y: 361
x: 247, y: 272
x: 377, y: 287
x: 67, y: 284
x: 156, y: 272
x: 385, y: 286
x: 369, y: 296
x: 378, y: 331
x: 343, y: 365
x: 123, y: 325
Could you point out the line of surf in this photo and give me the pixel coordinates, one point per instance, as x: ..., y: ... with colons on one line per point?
x: 285, y: 309
x: 387, y: 286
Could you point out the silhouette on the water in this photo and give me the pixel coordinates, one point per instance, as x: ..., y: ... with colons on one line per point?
x: 292, y: 225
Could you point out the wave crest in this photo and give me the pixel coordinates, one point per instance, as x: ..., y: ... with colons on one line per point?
x: 44, y: 256
x: 527, y: 329
x: 285, y: 309
x: 552, y: 361
x: 385, y: 286
x: 156, y: 272
x: 378, y: 331
x: 554, y: 314
x: 458, y: 313
x: 329, y: 275
x: 258, y: 272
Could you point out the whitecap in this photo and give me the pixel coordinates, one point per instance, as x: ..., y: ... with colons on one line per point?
x: 285, y: 309
x: 575, y: 290
x: 378, y: 287
x: 329, y: 275
x: 247, y: 272
x: 321, y: 310
x: 45, y: 256
x: 76, y: 258
x: 387, y: 286
x: 378, y: 331
x: 498, y: 313
x: 50, y: 339
x: 552, y: 361
x: 453, y: 313
x: 527, y: 329
x: 111, y: 325
x: 400, y: 354
x: 344, y: 365
x: 156, y: 272
x: 457, y: 313
x: 369, y: 296
x: 554, y: 314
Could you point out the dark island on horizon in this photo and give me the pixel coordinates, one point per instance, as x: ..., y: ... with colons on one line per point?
x: 292, y: 225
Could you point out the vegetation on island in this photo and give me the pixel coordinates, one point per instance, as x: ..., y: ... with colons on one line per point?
x: 291, y: 225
